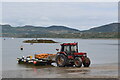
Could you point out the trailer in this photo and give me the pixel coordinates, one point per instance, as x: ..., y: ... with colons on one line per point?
x: 39, y: 59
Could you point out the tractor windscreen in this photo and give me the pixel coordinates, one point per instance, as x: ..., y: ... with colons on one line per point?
x: 69, y: 48
x: 65, y: 48
x: 74, y: 48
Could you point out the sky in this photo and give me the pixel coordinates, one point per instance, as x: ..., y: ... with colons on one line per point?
x: 60, y: 0
x: 78, y: 15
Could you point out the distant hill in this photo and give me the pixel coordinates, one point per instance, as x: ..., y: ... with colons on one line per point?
x: 113, y: 27
x: 62, y: 29
x: 105, y: 31
x: 37, y: 30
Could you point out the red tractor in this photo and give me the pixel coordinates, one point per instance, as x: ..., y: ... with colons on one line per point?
x: 69, y: 55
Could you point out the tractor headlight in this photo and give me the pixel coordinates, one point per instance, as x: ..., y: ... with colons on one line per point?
x: 85, y: 54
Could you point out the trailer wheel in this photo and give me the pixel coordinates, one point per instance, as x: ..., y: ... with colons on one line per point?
x: 78, y: 62
x: 61, y: 60
x: 86, y: 62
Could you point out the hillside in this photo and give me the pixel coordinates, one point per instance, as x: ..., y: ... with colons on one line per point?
x: 113, y: 27
x: 28, y: 31
x: 37, y: 30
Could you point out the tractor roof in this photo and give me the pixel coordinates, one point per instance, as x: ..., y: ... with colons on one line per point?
x: 64, y: 44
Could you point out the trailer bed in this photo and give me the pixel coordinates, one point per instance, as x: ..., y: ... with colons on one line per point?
x: 37, y: 60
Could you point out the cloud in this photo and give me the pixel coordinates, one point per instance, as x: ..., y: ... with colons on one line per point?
x: 75, y: 14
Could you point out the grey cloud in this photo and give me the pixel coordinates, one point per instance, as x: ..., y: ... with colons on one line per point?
x: 75, y: 15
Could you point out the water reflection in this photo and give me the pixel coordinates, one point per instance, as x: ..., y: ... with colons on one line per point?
x: 51, y: 69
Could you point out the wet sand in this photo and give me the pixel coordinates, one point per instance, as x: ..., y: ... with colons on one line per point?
x: 94, y: 71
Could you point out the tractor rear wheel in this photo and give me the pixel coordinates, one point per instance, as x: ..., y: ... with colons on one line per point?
x: 61, y: 60
x: 78, y: 62
x: 86, y: 62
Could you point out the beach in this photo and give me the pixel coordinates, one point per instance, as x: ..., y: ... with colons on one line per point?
x: 94, y: 71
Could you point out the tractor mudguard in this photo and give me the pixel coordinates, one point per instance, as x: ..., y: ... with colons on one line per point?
x: 81, y: 53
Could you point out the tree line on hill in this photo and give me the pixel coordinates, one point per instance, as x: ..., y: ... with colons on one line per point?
x: 105, y: 31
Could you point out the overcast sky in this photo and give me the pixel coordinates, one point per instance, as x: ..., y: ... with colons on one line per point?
x: 79, y: 15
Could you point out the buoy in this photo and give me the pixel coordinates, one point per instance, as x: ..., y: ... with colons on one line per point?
x: 21, y: 48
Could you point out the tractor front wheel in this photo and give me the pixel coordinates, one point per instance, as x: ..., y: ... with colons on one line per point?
x: 86, y: 62
x: 78, y: 62
x: 61, y: 60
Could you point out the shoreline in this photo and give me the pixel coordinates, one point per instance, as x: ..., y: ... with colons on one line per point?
x: 94, y: 71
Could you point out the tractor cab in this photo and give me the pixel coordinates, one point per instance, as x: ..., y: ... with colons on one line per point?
x: 69, y: 48
x: 69, y: 55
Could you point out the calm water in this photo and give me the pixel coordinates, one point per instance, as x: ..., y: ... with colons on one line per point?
x: 100, y: 51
